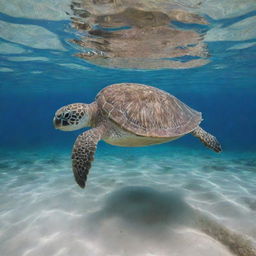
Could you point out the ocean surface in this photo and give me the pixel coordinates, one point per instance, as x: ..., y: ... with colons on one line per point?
x: 178, y: 198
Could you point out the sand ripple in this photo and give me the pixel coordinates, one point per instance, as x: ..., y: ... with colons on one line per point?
x: 133, y: 205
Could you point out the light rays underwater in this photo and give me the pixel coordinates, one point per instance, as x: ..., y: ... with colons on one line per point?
x: 173, y: 199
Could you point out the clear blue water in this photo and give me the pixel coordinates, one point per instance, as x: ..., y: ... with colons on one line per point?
x: 170, y: 199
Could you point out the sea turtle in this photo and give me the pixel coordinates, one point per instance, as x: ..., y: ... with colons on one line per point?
x: 130, y: 115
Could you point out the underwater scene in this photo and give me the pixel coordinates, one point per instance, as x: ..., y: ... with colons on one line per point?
x: 160, y: 163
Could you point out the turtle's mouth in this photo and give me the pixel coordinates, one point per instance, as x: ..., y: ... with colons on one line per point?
x: 57, y: 123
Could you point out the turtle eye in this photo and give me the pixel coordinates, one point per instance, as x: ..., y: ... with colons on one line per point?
x: 65, y: 123
x: 59, y: 116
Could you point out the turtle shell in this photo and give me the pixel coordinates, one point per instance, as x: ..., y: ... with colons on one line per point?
x: 146, y: 110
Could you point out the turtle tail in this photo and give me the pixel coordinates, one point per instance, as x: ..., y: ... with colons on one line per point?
x: 207, y: 139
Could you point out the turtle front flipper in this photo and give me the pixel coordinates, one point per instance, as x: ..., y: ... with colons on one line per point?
x: 207, y: 139
x: 83, y: 153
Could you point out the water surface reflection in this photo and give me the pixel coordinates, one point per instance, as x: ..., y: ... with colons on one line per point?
x: 139, y: 35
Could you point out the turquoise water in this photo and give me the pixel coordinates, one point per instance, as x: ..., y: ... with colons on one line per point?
x: 178, y: 198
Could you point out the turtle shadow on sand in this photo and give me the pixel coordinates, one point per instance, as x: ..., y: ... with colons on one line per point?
x: 145, y: 207
x: 152, y: 214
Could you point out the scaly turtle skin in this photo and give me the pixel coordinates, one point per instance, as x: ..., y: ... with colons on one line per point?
x: 129, y: 115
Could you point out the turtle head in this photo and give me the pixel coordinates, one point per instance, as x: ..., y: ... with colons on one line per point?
x: 73, y: 117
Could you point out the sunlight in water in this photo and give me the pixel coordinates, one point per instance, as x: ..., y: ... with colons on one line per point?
x: 136, y: 206
x: 173, y: 199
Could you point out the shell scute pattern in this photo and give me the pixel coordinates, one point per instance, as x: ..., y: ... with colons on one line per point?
x: 147, y: 111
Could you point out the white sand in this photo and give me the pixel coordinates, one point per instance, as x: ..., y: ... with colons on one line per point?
x: 132, y: 205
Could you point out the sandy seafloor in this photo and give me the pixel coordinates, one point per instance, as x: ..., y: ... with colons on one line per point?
x: 134, y: 203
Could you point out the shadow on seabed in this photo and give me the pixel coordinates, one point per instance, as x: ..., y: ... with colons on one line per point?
x: 152, y: 216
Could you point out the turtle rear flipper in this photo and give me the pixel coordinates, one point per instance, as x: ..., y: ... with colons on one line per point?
x: 207, y: 139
